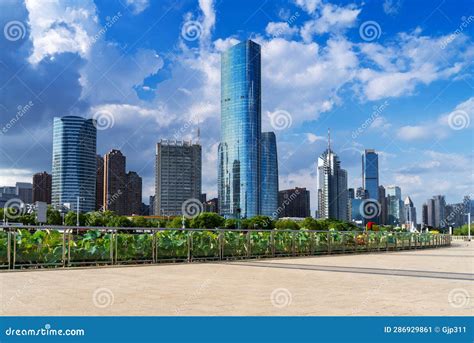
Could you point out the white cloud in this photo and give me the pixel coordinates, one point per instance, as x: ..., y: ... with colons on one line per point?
x: 308, y: 5
x: 138, y: 6
x: 280, y: 29
x: 392, y: 7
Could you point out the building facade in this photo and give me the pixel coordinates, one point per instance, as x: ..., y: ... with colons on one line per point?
x: 269, y: 175
x: 42, y: 183
x: 99, y: 184
x: 410, y: 214
x: 177, y: 176
x: 383, y: 206
x: 24, y: 191
x: 395, y: 206
x: 294, y: 203
x: 133, y: 192
x: 370, y: 173
x: 332, y: 187
x: 74, y: 163
x: 115, y: 182
x: 239, y: 171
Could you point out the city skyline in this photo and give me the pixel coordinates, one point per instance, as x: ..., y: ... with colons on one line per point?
x: 423, y: 154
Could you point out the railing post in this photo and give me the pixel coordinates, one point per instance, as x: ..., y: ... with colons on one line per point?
x: 9, y: 252
x: 190, y: 246
x: 248, y: 243
x: 153, y: 246
x: 221, y: 245
x: 293, y: 243
x: 343, y: 242
x: 14, y: 249
x: 329, y: 242
x: 272, y: 242
x: 312, y: 243
x: 63, y: 257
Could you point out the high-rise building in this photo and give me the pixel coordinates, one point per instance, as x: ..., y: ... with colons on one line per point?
x: 151, y: 205
x: 424, y: 215
x: 178, y: 176
x: 24, y: 191
x: 99, y: 185
x: 431, y: 212
x: 370, y: 173
x: 395, y: 206
x: 115, y: 182
x: 361, y: 193
x: 294, y: 203
x: 455, y: 214
x: 410, y: 214
x: 133, y: 191
x: 74, y: 163
x: 383, y: 206
x: 269, y: 175
x: 239, y: 150
x: 439, y: 211
x: 332, y: 186
x: 42, y: 187
x: 212, y: 205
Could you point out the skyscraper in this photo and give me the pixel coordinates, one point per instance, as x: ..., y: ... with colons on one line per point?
x: 24, y: 191
x: 115, y: 193
x: 370, y: 173
x: 178, y: 176
x: 439, y: 211
x: 133, y: 193
x: 99, y: 188
x: 395, y: 206
x: 332, y: 186
x: 239, y: 170
x: 383, y: 206
x: 294, y: 203
x: 74, y: 163
x: 269, y: 175
x: 42, y: 187
x: 410, y: 214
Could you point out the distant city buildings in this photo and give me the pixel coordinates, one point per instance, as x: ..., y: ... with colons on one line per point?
x: 22, y: 191
x: 370, y: 173
x: 332, y: 186
x: 212, y: 205
x: 435, y: 213
x: 383, y: 217
x: 409, y: 214
x: 99, y: 188
x: 74, y: 163
x: 115, y: 196
x: 133, y: 194
x: 395, y: 206
x: 42, y: 183
x: 294, y: 203
x: 177, y: 176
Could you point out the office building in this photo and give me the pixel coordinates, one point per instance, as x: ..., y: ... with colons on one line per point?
x: 269, y: 175
x: 42, y: 183
x: 133, y: 194
x: 239, y: 150
x: 294, y: 203
x: 332, y: 186
x: 151, y: 205
x: 395, y: 206
x: 99, y: 185
x: 370, y: 173
x: 24, y: 191
x: 439, y: 212
x: 74, y: 163
x: 177, y: 176
x: 211, y: 205
x: 383, y: 205
x: 410, y: 214
x: 115, y: 182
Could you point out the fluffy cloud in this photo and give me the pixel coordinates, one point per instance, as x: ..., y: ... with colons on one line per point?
x: 280, y: 29
x: 138, y: 6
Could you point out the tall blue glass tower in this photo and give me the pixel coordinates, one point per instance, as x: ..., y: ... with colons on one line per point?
x: 269, y: 178
x: 74, y: 163
x: 239, y: 150
x: 370, y: 173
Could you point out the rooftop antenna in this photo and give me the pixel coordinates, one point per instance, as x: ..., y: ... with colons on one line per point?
x: 329, y: 139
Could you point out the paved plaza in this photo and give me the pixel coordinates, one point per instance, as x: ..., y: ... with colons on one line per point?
x: 414, y: 282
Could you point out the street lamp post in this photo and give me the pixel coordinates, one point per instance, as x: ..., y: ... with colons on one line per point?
x: 469, y: 226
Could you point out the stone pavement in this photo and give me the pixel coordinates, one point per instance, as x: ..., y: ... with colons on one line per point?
x: 415, y: 282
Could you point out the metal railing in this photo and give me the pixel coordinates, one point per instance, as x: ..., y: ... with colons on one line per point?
x: 66, y: 246
x: 461, y: 238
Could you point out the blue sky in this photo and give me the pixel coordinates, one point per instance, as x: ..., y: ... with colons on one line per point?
x: 393, y: 75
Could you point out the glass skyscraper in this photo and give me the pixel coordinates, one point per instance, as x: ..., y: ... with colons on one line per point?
x: 370, y: 173
x: 269, y: 178
x: 239, y: 170
x: 74, y: 163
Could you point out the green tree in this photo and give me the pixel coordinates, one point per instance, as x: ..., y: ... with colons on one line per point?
x: 310, y: 223
x: 286, y: 224
x: 176, y: 223
x: 258, y: 223
x: 53, y: 217
x: 207, y: 220
x: 95, y: 219
x: 119, y: 221
x: 230, y: 224
x: 139, y: 221
x: 70, y: 219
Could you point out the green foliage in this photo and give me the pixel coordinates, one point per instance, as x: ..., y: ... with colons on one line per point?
x: 258, y: 223
x: 310, y: 223
x: 461, y: 231
x: 207, y: 220
x: 140, y: 222
x: 70, y: 219
x: 285, y: 224
x: 53, y: 217
x: 230, y: 224
x: 177, y: 223
x: 119, y: 221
